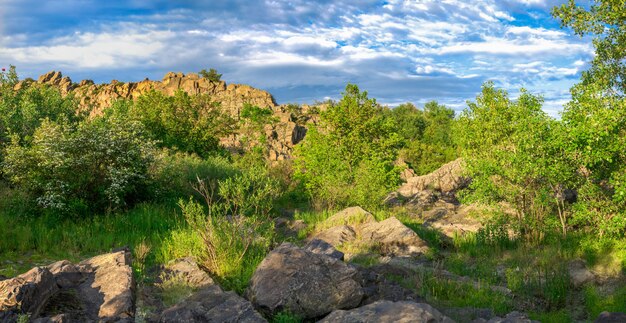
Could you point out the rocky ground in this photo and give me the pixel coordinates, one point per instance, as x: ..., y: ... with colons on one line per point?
x: 315, y: 280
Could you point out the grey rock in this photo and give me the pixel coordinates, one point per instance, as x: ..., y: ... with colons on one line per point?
x: 26, y: 293
x: 304, y: 283
x: 579, y: 274
x: 107, y: 292
x: 322, y: 247
x: 393, y: 237
x: 188, y: 270
x: 336, y: 236
x: 211, y: 304
x: 350, y: 216
x: 386, y: 311
x: 66, y: 274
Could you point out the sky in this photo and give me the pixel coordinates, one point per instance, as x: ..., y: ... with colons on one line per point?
x: 305, y: 51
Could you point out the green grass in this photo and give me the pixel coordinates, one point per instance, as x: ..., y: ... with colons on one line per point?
x: 31, y: 241
x: 596, y: 302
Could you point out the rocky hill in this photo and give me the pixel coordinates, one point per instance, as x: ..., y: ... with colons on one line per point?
x: 288, y: 130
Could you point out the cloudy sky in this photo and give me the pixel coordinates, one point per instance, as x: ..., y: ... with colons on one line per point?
x: 302, y: 51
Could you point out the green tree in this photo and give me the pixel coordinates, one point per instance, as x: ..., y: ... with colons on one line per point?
x: 427, y: 135
x: 182, y: 122
x: 211, y: 75
x: 348, y: 158
x: 595, y: 119
x: 513, y: 153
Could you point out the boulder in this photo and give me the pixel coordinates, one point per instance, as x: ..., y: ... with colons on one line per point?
x: 579, y: 274
x: 187, y: 270
x: 377, y: 287
x: 336, y: 236
x: 448, y: 178
x: 351, y: 216
x: 212, y: 304
x: 304, y: 283
x: 26, y: 293
x: 321, y: 247
x: 513, y: 317
x: 107, y: 292
x: 608, y: 317
x: 386, y: 311
x: 66, y: 274
x: 393, y: 238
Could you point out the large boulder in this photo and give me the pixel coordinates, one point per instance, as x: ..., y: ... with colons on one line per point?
x: 323, y: 248
x: 387, y: 311
x: 212, y: 304
x: 188, y: 271
x: 336, y: 236
x: 351, y: 216
x: 26, y: 293
x: 107, y: 292
x: 304, y: 283
x: 393, y: 238
x: 448, y: 178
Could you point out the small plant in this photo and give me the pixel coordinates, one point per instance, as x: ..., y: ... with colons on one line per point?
x: 141, y: 252
x: 286, y: 317
x: 211, y: 75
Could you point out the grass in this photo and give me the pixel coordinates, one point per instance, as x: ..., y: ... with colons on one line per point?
x: 42, y: 240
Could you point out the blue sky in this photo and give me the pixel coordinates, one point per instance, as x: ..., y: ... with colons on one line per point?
x: 302, y: 51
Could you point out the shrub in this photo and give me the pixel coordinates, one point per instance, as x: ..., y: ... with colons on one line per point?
x: 349, y: 158
x: 211, y: 75
x: 100, y: 165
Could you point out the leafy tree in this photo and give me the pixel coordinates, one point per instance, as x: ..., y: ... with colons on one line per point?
x: 595, y: 119
x: 99, y: 165
x: 348, y: 158
x: 514, y: 154
x: 23, y: 109
x: 427, y: 135
x: 211, y: 75
x: 182, y: 122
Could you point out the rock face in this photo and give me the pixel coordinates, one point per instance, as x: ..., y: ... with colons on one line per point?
x: 289, y: 129
x: 393, y: 237
x: 448, y: 178
x: 386, y: 311
x: 97, y: 289
x: 322, y: 247
x: 390, y: 237
x: 212, y: 304
x: 26, y: 293
x: 304, y: 283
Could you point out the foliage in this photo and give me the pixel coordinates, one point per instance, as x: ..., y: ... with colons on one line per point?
x: 211, y: 75
x: 172, y: 173
x: 427, y: 135
x: 99, y: 165
x: 348, y: 159
x: 252, y: 123
x: 22, y: 110
x: 181, y: 122
x: 513, y: 155
x: 595, y: 119
x: 236, y: 231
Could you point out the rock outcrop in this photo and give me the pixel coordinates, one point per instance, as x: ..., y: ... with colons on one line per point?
x: 448, y: 178
x: 282, y: 135
x: 97, y: 289
x: 306, y: 284
x: 386, y: 311
x: 357, y: 226
x: 212, y: 304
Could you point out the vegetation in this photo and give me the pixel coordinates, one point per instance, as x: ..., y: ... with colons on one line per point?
x: 152, y: 174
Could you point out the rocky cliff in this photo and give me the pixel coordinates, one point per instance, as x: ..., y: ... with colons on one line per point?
x: 282, y: 135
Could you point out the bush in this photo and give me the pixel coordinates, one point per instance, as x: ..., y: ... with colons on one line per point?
x: 101, y: 165
x: 236, y: 232
x: 211, y: 75
x: 349, y: 158
x: 192, y: 124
